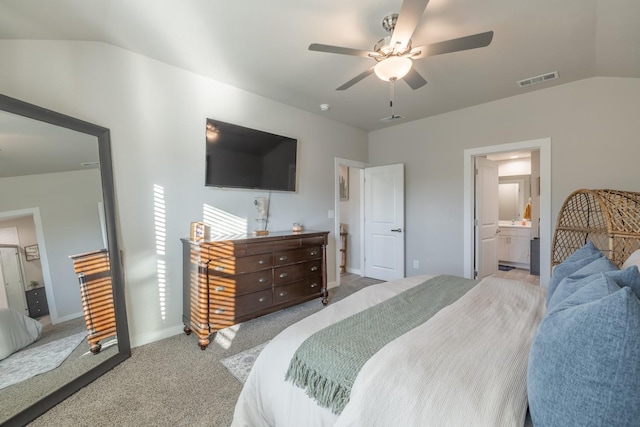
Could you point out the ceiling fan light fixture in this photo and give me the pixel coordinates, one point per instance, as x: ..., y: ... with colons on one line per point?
x: 393, y: 68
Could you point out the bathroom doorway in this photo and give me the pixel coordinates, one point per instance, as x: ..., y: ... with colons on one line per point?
x: 540, y: 192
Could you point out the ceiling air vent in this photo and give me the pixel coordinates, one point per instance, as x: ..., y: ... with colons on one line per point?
x: 90, y: 165
x: 538, y: 79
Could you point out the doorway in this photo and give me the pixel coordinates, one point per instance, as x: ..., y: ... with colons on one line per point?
x: 12, y: 279
x: 543, y: 229
x: 374, y: 248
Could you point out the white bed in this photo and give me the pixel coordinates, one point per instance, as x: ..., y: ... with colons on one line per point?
x: 429, y: 376
x: 16, y: 331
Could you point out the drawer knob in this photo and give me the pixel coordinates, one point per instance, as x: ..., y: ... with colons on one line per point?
x: 262, y: 261
x: 263, y: 280
x: 218, y: 310
x: 262, y: 299
x: 283, y: 258
x: 314, y: 285
x: 314, y: 268
x: 314, y: 253
x: 283, y: 293
x: 283, y: 275
x: 219, y: 288
x: 219, y: 268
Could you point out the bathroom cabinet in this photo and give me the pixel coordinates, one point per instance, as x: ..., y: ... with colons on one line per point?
x: 514, y: 246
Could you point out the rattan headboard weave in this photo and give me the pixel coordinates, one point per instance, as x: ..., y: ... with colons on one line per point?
x: 608, y: 218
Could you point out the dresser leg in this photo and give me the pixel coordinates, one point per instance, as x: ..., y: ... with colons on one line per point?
x: 325, y: 296
x: 187, y: 330
x: 203, y: 343
x: 95, y: 349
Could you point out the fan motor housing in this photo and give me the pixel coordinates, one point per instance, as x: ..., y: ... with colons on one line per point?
x: 384, y: 48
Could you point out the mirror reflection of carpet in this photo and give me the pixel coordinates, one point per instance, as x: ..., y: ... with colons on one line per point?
x: 28, y: 363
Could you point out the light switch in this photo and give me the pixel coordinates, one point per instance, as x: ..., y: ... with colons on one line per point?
x: 332, y: 213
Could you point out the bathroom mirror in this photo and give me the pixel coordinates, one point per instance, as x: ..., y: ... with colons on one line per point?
x: 513, y: 193
x: 52, y: 167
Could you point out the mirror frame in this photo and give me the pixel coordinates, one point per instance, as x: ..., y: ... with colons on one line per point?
x: 15, y: 106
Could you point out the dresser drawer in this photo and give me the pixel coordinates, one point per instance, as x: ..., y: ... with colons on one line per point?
x: 296, y: 255
x: 307, y: 287
x: 231, y: 308
x: 241, y: 264
x: 241, y: 284
x: 294, y: 272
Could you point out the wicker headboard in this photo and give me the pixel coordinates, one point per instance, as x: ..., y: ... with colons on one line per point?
x: 608, y: 218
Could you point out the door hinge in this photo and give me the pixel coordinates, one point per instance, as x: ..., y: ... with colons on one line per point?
x: 475, y: 171
x: 475, y: 274
x: 475, y: 222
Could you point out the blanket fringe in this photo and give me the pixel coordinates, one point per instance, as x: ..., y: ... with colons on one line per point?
x: 329, y: 394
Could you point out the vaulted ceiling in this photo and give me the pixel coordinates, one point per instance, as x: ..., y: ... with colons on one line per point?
x: 262, y: 46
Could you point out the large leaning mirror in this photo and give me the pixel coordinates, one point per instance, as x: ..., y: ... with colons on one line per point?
x: 57, y: 234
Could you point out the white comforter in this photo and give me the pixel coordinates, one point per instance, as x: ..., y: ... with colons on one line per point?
x: 16, y: 331
x: 466, y: 366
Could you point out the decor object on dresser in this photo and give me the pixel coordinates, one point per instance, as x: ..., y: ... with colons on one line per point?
x: 232, y: 280
x: 608, y: 218
x: 262, y: 206
x: 94, y: 274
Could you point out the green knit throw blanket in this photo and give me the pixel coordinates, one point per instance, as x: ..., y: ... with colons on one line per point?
x: 326, y: 364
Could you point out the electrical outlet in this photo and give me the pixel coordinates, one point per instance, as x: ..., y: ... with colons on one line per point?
x: 416, y: 263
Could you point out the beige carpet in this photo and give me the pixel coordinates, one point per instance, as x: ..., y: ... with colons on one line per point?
x: 173, y: 383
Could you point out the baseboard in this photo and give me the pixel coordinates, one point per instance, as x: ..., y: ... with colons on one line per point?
x: 355, y: 271
x: 148, y: 338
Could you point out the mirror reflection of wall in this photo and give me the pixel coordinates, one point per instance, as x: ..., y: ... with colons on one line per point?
x: 513, y: 193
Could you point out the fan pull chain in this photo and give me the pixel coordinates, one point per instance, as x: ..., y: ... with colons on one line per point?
x: 391, y: 96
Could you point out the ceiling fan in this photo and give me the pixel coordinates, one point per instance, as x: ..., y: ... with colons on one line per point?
x: 394, y: 54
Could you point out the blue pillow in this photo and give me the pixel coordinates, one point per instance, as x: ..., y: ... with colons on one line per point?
x: 584, y: 363
x: 574, y: 262
x: 580, y: 278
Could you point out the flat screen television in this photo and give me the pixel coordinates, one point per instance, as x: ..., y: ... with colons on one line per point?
x: 239, y: 157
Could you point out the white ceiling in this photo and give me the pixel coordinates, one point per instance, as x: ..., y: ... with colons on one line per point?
x: 29, y: 147
x: 262, y: 46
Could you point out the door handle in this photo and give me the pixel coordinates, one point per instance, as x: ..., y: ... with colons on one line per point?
x: 397, y: 230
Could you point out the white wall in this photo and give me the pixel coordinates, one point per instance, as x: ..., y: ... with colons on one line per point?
x: 350, y: 215
x: 156, y: 114
x: 68, y: 204
x: 593, y: 125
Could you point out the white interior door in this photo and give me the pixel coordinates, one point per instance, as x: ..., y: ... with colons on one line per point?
x: 12, y: 277
x: 384, y: 222
x: 487, y: 202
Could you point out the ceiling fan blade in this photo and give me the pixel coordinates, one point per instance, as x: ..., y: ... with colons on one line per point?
x: 410, y: 13
x: 414, y: 79
x: 342, y: 50
x: 356, y: 79
x: 454, y: 45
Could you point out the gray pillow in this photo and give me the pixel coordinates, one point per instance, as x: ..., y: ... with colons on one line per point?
x: 584, y: 363
x: 575, y: 281
x: 574, y: 262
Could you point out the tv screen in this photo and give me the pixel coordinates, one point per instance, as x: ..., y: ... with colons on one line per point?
x: 240, y: 157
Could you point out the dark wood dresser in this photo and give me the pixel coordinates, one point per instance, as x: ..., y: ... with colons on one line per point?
x: 232, y: 280
x: 37, y: 303
x: 94, y: 276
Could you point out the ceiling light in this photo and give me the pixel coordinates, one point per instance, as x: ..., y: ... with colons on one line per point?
x: 393, y: 68
x: 325, y: 107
